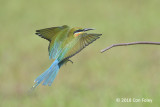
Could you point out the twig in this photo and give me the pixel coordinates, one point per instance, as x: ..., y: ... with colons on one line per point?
x: 131, y: 43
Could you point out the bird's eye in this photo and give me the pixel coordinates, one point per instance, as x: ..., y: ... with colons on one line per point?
x: 79, y: 30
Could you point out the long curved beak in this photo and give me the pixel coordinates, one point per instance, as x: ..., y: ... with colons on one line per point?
x: 87, y: 29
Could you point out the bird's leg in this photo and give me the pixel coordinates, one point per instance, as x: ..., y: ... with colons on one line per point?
x: 70, y: 61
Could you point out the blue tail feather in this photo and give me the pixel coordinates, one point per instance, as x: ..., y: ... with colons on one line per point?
x: 52, y: 79
x: 51, y: 76
x: 48, y: 76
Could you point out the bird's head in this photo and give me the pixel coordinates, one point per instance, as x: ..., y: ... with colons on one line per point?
x: 76, y: 31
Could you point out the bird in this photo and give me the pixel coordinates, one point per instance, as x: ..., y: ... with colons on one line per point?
x: 64, y: 42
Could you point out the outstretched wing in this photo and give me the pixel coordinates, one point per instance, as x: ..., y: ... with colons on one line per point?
x: 83, y: 40
x: 49, y: 33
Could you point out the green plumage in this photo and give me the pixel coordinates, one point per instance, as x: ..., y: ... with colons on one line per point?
x: 63, y: 44
x: 64, y: 36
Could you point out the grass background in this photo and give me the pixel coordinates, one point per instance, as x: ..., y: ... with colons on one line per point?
x: 95, y: 79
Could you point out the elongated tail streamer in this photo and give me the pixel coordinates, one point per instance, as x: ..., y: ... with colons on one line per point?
x: 48, y: 76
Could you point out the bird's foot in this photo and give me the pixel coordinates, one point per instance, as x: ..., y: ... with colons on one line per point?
x: 70, y: 61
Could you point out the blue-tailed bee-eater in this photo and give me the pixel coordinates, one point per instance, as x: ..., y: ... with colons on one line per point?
x: 64, y: 42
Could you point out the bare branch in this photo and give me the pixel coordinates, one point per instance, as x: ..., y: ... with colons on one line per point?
x: 131, y: 43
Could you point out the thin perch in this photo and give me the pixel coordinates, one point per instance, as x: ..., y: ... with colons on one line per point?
x: 131, y: 43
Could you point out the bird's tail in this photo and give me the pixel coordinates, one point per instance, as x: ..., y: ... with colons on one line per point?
x: 48, y: 76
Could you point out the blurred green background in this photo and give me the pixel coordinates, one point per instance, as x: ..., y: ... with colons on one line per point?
x: 95, y: 79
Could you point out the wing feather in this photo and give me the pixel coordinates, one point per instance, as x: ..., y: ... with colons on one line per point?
x: 83, y: 41
x: 49, y: 33
x: 52, y: 34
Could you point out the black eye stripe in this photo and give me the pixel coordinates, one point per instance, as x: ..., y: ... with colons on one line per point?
x: 80, y: 30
